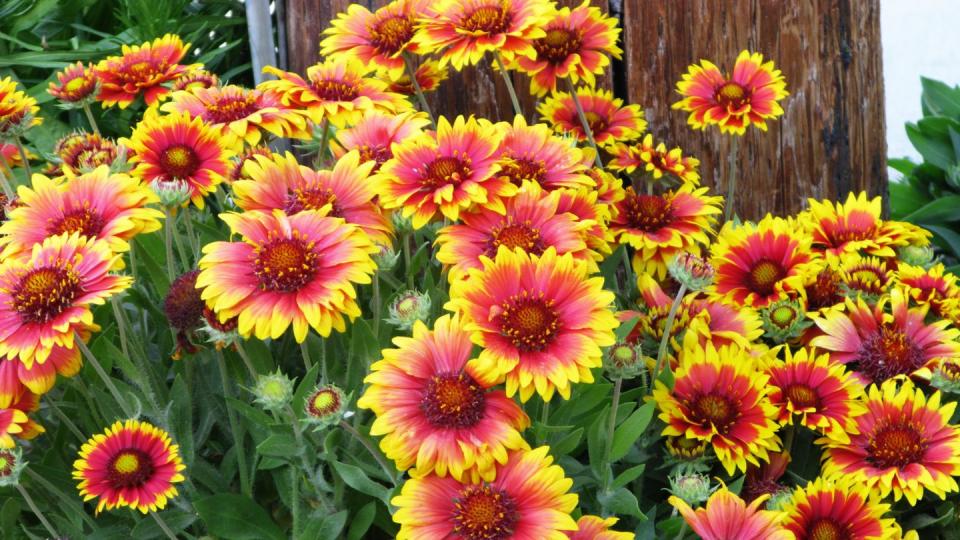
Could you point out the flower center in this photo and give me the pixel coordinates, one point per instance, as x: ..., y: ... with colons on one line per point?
x: 407, y: 306
x: 597, y: 123
x: 379, y: 154
x: 335, y: 90
x: 888, y: 353
x: 313, y: 198
x: 529, y: 322
x: 825, y: 292
x: 716, y: 410
x: 82, y: 220
x: 7, y: 462
x: 648, y: 212
x: 43, y: 293
x: 285, y: 265
x: 130, y: 468
x: 558, y: 45
x: 445, y: 170
x: 484, y: 513
x: 827, y: 529
x: 390, y: 35
x: 324, y: 402
x: 802, y: 396
x: 75, y: 84
x: 139, y: 72
x: 515, y: 235
x: 783, y: 316
x: 490, y: 19
x: 731, y: 94
x: 520, y: 169
x: 179, y: 161
x: 230, y: 108
x: 896, y: 445
x: 764, y: 275
x: 453, y: 401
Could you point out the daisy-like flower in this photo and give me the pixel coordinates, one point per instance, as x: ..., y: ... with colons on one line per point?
x: 15, y: 421
x: 241, y: 114
x: 337, y: 90
x: 597, y: 528
x: 540, y: 320
x: 749, y: 96
x: 533, y: 153
x: 757, y: 263
x: 719, y: 397
x: 814, y: 391
x: 903, y: 444
x: 823, y: 289
x: 378, y: 38
x: 436, y: 414
x: 531, y: 223
x: 868, y: 277
x: 715, y: 322
x: 81, y: 152
x: 184, y: 310
x: 142, y: 68
x: 882, y: 345
x: 18, y: 111
x: 178, y: 147
x: 429, y: 75
x: 578, y: 44
x: 660, y: 226
x: 726, y: 516
x: 195, y: 79
x: 286, y: 271
x: 132, y: 464
x: 609, y: 119
x: 529, y: 499
x: 462, y: 31
x: 110, y: 207
x: 609, y: 187
x: 375, y: 134
x: 446, y: 172
x: 654, y: 159
x: 45, y: 298
x: 75, y: 84
x: 836, y: 509
x: 281, y: 183
x: 10, y: 153
x: 934, y: 287
x: 240, y: 161
x: 856, y: 226
x: 585, y: 205
x: 16, y: 377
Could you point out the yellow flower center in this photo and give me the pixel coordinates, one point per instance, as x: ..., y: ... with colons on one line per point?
x: 75, y: 84
x: 324, y: 402
x: 484, y: 513
x: 802, y: 396
x: 597, y: 123
x: 529, y: 321
x: 515, y: 235
x: 827, y: 529
x: 446, y: 170
x: 390, y: 35
x: 285, y: 265
x: 896, y: 445
x: 783, y: 316
x: 179, y: 162
x: 764, y: 276
x: 558, y: 44
x: 407, y: 306
x: 126, y: 463
x: 453, y: 401
x: 45, y: 292
x: 731, y: 94
x: 7, y: 461
x: 493, y: 18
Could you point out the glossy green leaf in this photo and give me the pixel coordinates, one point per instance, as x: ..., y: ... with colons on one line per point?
x: 237, y: 517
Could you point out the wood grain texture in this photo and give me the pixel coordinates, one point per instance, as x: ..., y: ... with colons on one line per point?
x: 831, y: 139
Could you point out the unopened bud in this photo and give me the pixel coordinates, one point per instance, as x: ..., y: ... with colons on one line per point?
x: 408, y: 308
x: 273, y: 391
x: 325, y: 406
x: 693, y: 488
x: 692, y: 271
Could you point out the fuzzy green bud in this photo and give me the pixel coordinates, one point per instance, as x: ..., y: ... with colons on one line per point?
x: 325, y: 406
x: 693, y: 488
x: 785, y: 320
x: 692, y: 271
x: 273, y: 391
x: 923, y: 256
x: 11, y: 465
x: 624, y: 360
x: 386, y: 259
x: 172, y: 193
x: 410, y: 306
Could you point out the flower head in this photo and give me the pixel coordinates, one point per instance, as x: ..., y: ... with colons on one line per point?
x: 408, y: 308
x: 16, y: 378
x: 625, y: 360
x: 194, y: 79
x: 836, y: 509
x: 597, y: 528
x: 75, y: 84
x: 184, y: 310
x: 11, y: 465
x: 533, y: 153
x: 655, y: 159
x: 691, y: 271
x: 693, y: 488
x: 15, y: 421
x: 727, y: 516
x: 141, y: 68
x: 81, y: 152
x: 131, y: 464
x: 609, y: 119
x: 379, y: 38
x: 933, y: 286
x: 17, y: 109
x: 785, y: 320
x: 324, y: 406
x: 375, y: 134
x: 429, y: 75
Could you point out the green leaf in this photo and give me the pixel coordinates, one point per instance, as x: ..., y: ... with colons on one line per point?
x: 630, y: 430
x: 621, y: 501
x: 943, y: 209
x: 10, y: 514
x: 596, y: 438
x: 923, y: 521
x: 237, y: 517
x: 358, y: 480
x: 949, y: 238
x: 939, y: 98
x: 629, y: 475
x: 905, y: 199
x: 177, y: 521
x: 279, y: 445
x: 902, y: 165
x: 934, y: 150
x: 181, y: 418
x: 361, y: 521
x: 327, y: 527
x: 568, y: 443
x: 625, y: 328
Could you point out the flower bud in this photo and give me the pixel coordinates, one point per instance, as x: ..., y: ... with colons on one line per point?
x: 11, y: 465
x: 274, y: 391
x: 325, y: 406
x: 410, y: 306
x: 693, y: 488
x: 401, y: 224
x: 947, y: 377
x: 221, y: 334
x: 692, y: 271
x: 778, y: 501
x: 685, y: 448
x: 624, y: 360
x: 387, y: 258
x: 923, y: 256
x: 184, y: 310
x: 172, y: 193
x: 785, y: 320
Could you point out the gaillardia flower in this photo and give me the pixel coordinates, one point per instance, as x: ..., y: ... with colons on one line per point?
x: 609, y: 119
x: 286, y: 271
x: 903, y: 444
x: 881, y: 345
x: 836, y: 509
x: 18, y: 111
x: 184, y: 310
x: 436, y: 414
x: 75, y: 84
x: 655, y: 160
x: 195, y: 78
x: 240, y: 113
x: 749, y: 96
x: 375, y: 134
x: 757, y: 263
x: 15, y: 421
x: 934, y: 287
x: 178, y: 147
x: 378, y: 38
x: 462, y: 31
x: 45, y: 298
x: 533, y: 153
x: 446, y: 172
x: 429, y: 75
x: 132, y: 464
x: 529, y: 499
x: 720, y: 398
x: 281, y: 183
x: 81, y: 152
x: 141, y: 68
x: 578, y: 44
x: 540, y: 319
x: 597, y: 528
x: 727, y: 516
x: 16, y: 377
x: 110, y: 207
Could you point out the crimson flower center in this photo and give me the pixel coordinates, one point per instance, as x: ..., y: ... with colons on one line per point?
x: 828, y: 529
x: 231, y: 108
x: 453, y: 401
x: 648, y: 212
x: 285, y: 265
x: 179, y: 161
x: 887, y: 353
x: 839, y: 234
x: 490, y: 19
x: 143, y: 71
x: 825, y: 292
x: 714, y: 409
x: 764, y: 275
x: 520, y: 169
x: 45, y: 292
x: 558, y: 44
x: 379, y: 154
x: 7, y: 462
x: 130, y: 468
x: 802, y: 396
x: 732, y: 94
x: 390, y: 35
x: 446, y: 170
x: 81, y: 220
x: 324, y: 402
x: 896, y: 445
x: 484, y: 513
x: 335, y: 90
x: 529, y: 322
x: 312, y: 198
x: 515, y: 235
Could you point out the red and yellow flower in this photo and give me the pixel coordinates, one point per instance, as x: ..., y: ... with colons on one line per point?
x: 241, y: 114
x: 719, y: 397
x: 378, y: 39
x: 882, y: 345
x: 429, y: 75
x: 528, y: 499
x: 81, y: 152
x: 15, y: 421
x: 750, y: 96
x: 436, y: 414
x: 75, y: 84
x: 196, y: 78
x: 836, y: 509
x: 141, y: 68
x: 584, y: 203
x: 597, y: 528
x: 110, y: 207
x: 16, y: 377
x: 533, y: 153
x: 869, y: 277
x: 18, y: 111
x: 286, y: 271
x: 240, y: 161
x: 656, y: 160
x: 933, y: 287
x: 446, y: 172
x: 726, y: 516
x: 540, y: 319
x: 281, y: 183
x: 178, y: 147
x: 132, y: 464
x: 903, y: 444
x: 462, y: 31
x: 376, y: 133
x: 45, y: 298
x: 660, y: 226
x: 609, y: 119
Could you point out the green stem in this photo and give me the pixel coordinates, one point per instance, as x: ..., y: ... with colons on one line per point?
x: 376, y: 305
x: 106, y: 378
x: 509, y: 82
x: 185, y: 261
x: 412, y: 73
x: 70, y: 501
x: 627, y: 268
x: 611, y: 427
x: 683, y: 530
x: 192, y: 237
x: 306, y: 356
x: 544, y: 417
x: 168, y: 245
x: 323, y: 361
x: 36, y: 511
x: 5, y: 185
x: 66, y: 420
x: 89, y: 113
x: 295, y: 500
x: 121, y: 326
x: 163, y: 526
x: 324, y: 142
x: 584, y: 123
x: 731, y: 178
x: 245, y: 485
x: 407, y: 257
x: 246, y: 360
x: 373, y: 451
x: 23, y: 155
x: 662, y: 352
